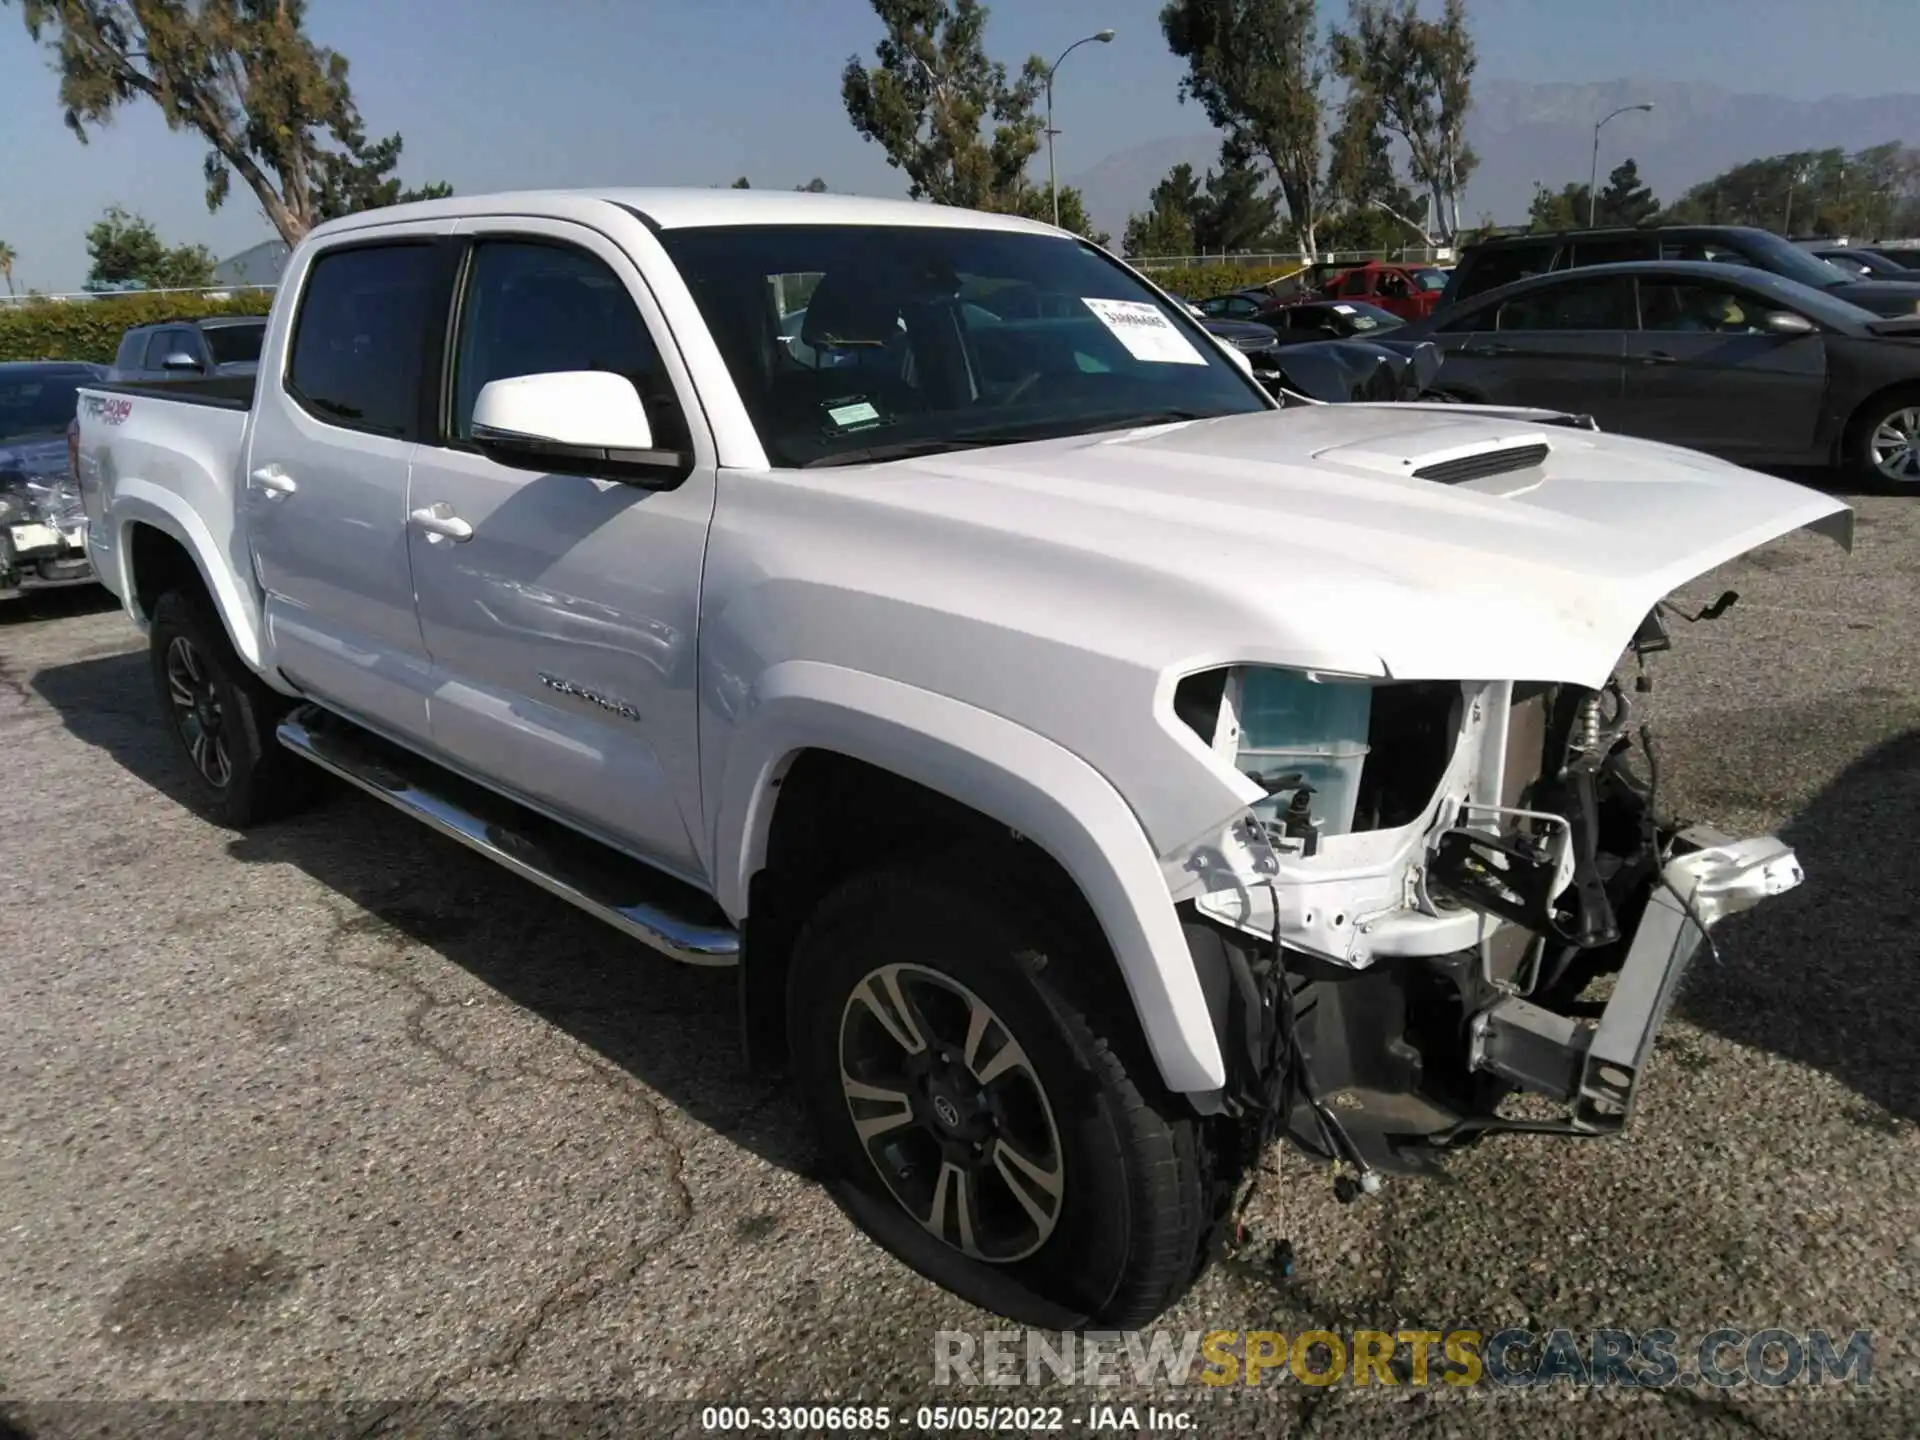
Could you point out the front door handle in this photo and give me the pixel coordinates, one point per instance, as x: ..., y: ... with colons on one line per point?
x: 1488, y: 351
x: 440, y: 523
x: 1658, y: 357
x: 273, y: 480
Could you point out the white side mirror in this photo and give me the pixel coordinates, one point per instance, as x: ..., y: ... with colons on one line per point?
x: 565, y: 407
x: 581, y: 422
x: 1240, y: 357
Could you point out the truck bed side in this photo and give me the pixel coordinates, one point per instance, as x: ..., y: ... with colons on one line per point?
x: 164, y: 460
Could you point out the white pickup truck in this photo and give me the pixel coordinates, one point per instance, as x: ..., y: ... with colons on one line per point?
x: 1094, y: 770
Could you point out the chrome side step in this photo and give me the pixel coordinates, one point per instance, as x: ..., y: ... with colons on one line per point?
x: 629, y: 895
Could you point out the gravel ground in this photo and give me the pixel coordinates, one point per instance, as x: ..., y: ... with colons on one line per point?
x: 336, y: 1112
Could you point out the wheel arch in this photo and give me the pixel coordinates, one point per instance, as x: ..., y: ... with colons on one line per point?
x: 161, y: 542
x: 825, y: 749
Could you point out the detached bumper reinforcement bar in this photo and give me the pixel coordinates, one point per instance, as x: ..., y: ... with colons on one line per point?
x: 1597, y: 1070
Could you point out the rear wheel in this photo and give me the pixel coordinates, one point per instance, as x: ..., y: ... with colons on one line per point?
x: 989, y: 1114
x: 222, y: 717
x: 1886, y: 443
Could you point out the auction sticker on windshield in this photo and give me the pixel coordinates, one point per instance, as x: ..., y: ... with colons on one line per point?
x: 1147, y: 334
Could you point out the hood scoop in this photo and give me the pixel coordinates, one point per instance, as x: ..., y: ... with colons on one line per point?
x: 1438, y: 452
x: 1482, y: 465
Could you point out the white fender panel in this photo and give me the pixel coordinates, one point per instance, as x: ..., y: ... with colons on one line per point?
x: 1004, y: 771
x: 138, y: 502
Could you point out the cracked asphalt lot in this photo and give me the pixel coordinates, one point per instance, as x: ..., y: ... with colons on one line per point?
x: 335, y: 1111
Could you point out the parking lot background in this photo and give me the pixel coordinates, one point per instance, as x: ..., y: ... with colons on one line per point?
x: 335, y: 1110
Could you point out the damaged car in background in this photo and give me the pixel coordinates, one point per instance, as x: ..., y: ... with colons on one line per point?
x: 42, y: 525
x: 1329, y: 371
x: 1092, y: 768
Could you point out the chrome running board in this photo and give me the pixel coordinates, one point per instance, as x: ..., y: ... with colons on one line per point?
x: 630, y: 895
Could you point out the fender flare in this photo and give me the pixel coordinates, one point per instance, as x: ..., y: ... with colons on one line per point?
x: 1003, y: 770
x: 138, y: 502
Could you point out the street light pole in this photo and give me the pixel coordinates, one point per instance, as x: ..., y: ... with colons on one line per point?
x: 1593, y: 174
x: 1053, y: 189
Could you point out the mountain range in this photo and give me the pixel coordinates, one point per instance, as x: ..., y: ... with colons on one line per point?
x: 1527, y: 133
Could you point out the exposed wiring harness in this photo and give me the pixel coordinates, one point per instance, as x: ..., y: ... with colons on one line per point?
x: 1662, y: 854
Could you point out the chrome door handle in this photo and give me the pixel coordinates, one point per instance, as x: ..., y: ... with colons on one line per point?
x: 440, y: 523
x: 273, y: 480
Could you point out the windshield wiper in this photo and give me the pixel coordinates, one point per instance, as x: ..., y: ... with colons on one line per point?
x: 1142, y: 421
x: 895, y: 450
x: 1055, y: 429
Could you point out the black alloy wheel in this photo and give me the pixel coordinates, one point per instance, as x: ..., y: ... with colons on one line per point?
x: 951, y: 1112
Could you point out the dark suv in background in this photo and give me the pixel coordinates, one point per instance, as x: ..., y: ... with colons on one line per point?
x: 1492, y: 263
x: 222, y: 346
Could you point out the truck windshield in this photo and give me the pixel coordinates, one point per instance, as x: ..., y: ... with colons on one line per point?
x: 851, y: 343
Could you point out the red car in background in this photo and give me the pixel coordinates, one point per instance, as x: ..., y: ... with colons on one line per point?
x: 1410, y: 291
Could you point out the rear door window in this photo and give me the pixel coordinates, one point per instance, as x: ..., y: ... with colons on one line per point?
x: 1578, y: 305
x: 359, y: 337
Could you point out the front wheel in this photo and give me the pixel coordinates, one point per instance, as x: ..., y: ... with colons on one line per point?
x: 1886, y: 444
x: 222, y: 717
x: 989, y: 1112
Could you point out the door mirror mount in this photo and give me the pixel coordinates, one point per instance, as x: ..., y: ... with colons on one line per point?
x: 574, y: 422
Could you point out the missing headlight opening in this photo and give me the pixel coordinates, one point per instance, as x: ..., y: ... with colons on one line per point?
x: 1350, y: 756
x: 1443, y: 868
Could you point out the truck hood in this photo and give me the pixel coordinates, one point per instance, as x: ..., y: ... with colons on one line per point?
x: 35, y: 455
x: 1409, y: 541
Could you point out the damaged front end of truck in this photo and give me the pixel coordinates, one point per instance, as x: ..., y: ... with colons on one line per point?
x: 1419, y: 921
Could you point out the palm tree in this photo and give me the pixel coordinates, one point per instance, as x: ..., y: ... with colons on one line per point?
x: 7, y: 258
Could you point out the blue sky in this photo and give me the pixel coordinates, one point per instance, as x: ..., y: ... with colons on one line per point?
x: 499, y: 94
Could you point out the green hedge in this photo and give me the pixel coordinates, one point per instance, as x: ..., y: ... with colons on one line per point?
x: 91, y: 329
x: 1197, y: 282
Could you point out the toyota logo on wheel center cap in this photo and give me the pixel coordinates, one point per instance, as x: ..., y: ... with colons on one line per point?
x: 948, y: 1112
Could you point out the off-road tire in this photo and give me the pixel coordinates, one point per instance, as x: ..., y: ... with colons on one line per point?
x: 263, y: 780
x: 1138, y: 1198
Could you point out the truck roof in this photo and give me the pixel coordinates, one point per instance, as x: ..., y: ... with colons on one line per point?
x: 688, y: 207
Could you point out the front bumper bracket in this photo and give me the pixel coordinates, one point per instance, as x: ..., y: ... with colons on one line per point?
x: 1596, y: 1071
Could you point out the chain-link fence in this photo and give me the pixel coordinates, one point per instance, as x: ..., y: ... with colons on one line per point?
x: 76, y: 297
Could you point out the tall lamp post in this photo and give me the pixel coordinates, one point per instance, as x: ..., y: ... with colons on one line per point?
x: 1593, y: 175
x: 1053, y: 190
